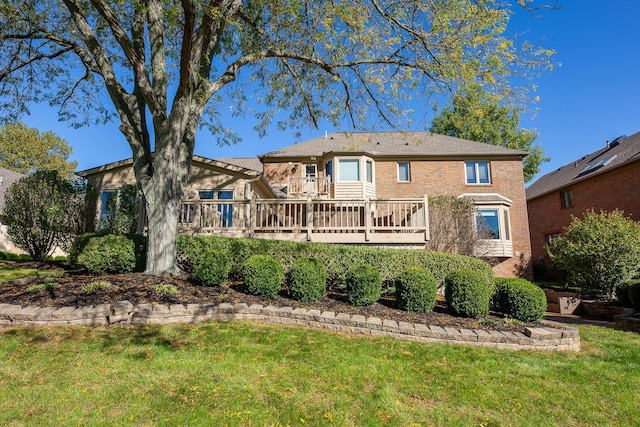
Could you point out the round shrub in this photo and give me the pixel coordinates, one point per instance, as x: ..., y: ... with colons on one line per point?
x: 416, y: 290
x: 211, y: 268
x: 468, y: 293
x: 364, y: 285
x: 262, y: 275
x: 307, y: 280
x: 520, y: 299
x: 113, y: 253
x: 634, y: 295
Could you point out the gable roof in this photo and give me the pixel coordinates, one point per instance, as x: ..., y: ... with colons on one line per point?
x: 249, y: 166
x: 619, y: 152
x: 402, y: 144
x: 7, y: 177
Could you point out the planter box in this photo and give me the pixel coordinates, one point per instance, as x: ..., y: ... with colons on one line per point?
x: 601, y: 310
x: 562, y: 302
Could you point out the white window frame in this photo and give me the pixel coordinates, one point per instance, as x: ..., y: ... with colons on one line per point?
x: 476, y: 169
x: 399, y: 176
x: 340, y: 160
x: 369, y: 171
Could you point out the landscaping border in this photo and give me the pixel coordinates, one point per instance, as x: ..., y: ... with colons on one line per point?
x: 125, y: 313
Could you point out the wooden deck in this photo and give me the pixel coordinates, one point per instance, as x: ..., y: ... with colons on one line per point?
x: 366, y: 221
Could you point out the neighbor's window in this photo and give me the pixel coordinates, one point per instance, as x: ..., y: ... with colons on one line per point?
x: 567, y: 198
x: 108, y: 201
x: 477, y: 172
x: 552, y: 237
x: 488, y: 223
x: 349, y: 170
x: 403, y: 172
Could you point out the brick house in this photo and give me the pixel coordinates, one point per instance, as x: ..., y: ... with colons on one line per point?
x: 606, y: 179
x: 363, y: 188
x: 7, y: 178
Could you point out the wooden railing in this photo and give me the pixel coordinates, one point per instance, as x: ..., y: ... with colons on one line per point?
x: 309, y: 186
x: 321, y: 220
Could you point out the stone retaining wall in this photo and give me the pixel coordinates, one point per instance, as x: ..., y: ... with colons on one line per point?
x: 126, y: 313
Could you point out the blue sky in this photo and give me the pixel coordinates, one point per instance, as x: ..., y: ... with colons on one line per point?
x: 591, y: 96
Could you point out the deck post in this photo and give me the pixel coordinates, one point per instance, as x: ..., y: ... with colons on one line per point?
x: 427, y: 235
x: 251, y: 214
x: 309, y: 218
x: 367, y: 219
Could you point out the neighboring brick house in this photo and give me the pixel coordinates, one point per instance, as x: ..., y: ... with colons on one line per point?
x: 7, y: 177
x: 412, y: 164
x: 354, y: 188
x: 604, y: 180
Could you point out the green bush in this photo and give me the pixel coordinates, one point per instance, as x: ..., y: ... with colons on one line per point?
x: 519, y: 299
x: 111, y: 253
x: 634, y: 295
x: 468, y: 293
x: 338, y: 259
x: 416, y: 290
x: 599, y: 251
x: 211, y: 268
x: 364, y: 285
x: 262, y: 275
x: 307, y: 280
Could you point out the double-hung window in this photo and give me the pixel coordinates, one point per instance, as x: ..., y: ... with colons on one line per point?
x: 477, y: 172
x: 404, y: 174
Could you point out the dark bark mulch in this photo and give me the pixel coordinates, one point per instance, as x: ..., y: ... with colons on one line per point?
x: 140, y: 288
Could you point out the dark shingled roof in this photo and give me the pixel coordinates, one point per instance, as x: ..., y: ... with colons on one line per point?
x: 619, y: 152
x: 8, y: 177
x: 251, y: 163
x: 410, y: 144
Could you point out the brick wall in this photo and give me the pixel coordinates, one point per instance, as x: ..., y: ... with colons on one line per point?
x: 618, y: 188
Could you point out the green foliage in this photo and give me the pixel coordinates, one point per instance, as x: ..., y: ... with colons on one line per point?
x: 96, y: 286
x: 166, y: 289
x: 634, y: 295
x: 262, y: 275
x: 307, y: 280
x: 468, y: 293
x: 9, y: 256
x: 519, y: 299
x: 416, y: 290
x: 111, y: 253
x: 43, y: 210
x: 211, y: 268
x: 599, y: 251
x: 480, y: 116
x: 44, y: 286
x: 338, y: 259
x: 24, y: 150
x: 364, y: 285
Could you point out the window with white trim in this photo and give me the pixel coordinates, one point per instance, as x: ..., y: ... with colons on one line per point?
x: 477, y: 172
x: 369, y: 171
x: 349, y: 170
x: 488, y: 223
x: 404, y: 174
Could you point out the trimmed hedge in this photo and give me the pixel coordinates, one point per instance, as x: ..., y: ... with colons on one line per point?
x: 211, y: 268
x: 307, y: 280
x: 139, y: 247
x: 519, y: 299
x: 364, y: 285
x: 416, y: 290
x: 262, y: 275
x: 468, y: 293
x: 112, y: 253
x: 338, y: 259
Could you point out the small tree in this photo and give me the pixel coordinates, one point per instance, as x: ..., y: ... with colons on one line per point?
x: 43, y: 210
x: 453, y: 227
x: 599, y: 252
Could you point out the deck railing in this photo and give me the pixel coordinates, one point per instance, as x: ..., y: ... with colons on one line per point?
x: 321, y: 220
x: 309, y: 186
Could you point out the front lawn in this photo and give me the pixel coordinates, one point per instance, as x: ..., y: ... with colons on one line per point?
x: 12, y: 271
x: 243, y: 373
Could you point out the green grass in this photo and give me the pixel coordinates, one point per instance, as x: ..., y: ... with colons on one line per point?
x: 10, y: 271
x: 250, y: 374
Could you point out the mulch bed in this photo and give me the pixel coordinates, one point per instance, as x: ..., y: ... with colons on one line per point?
x: 139, y: 288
